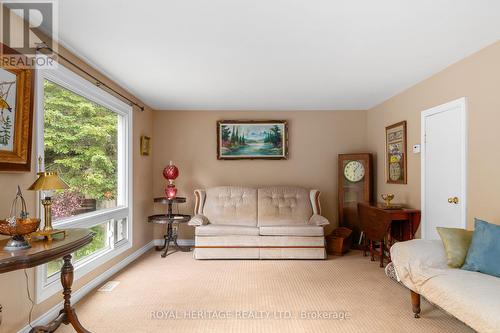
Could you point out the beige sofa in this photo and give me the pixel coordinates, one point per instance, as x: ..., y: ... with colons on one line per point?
x: 279, y: 222
x: 472, y: 297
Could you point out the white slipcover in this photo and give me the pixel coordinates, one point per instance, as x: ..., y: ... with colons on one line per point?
x: 472, y: 297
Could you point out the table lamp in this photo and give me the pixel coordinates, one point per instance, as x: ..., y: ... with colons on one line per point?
x: 48, y: 182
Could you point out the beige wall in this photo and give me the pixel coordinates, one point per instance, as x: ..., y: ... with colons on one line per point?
x: 477, y: 78
x: 188, y: 138
x: 13, y: 295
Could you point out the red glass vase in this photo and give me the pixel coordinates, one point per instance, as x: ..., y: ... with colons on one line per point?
x: 171, y: 191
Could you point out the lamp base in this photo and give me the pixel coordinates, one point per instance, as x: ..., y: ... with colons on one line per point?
x: 17, y: 242
x: 47, y: 234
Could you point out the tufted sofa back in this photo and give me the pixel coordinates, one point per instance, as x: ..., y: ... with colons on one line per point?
x: 283, y: 205
x: 231, y: 205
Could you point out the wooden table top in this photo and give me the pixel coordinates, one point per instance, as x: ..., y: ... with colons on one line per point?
x: 42, y: 252
x: 397, y: 209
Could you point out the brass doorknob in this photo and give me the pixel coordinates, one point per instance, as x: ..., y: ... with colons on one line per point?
x: 453, y: 200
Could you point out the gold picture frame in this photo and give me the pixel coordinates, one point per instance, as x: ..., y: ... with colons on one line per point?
x: 396, y: 153
x: 16, y: 115
x: 145, y: 145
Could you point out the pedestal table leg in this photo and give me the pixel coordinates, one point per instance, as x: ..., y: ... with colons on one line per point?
x: 67, y: 315
x: 168, y: 238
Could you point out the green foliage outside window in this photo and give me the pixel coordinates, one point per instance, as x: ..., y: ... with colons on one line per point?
x: 99, y: 242
x: 81, y: 142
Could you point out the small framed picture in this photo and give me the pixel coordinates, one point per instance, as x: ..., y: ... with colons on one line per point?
x: 395, y: 140
x: 145, y: 145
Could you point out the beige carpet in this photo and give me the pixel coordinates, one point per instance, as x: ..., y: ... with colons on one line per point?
x: 159, y: 295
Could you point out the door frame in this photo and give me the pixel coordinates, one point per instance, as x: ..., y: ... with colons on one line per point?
x: 461, y: 104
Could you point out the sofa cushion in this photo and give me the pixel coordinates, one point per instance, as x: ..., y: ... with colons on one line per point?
x: 292, y: 230
x: 283, y: 205
x: 224, y: 230
x: 231, y: 205
x: 472, y: 297
x: 298, y: 241
x: 233, y: 241
x: 456, y: 244
x: 484, y: 250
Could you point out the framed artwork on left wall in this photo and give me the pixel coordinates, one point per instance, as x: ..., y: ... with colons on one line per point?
x: 16, y: 115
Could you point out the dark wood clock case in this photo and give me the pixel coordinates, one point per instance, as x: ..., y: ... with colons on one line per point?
x: 350, y: 194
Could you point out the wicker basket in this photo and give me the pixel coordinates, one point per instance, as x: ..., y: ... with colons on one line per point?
x: 339, y: 242
x: 23, y: 225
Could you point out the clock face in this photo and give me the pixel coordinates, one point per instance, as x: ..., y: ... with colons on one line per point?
x: 354, y: 171
x: 394, y: 171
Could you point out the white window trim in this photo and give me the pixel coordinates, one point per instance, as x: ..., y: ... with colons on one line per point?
x: 46, y: 287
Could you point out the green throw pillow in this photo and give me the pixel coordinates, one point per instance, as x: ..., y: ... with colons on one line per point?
x: 456, y: 244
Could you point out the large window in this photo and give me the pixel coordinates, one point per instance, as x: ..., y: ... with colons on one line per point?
x: 84, y: 135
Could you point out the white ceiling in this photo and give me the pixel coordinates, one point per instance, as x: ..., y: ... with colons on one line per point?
x: 274, y: 54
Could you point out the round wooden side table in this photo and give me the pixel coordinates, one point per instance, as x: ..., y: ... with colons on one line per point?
x: 172, y: 221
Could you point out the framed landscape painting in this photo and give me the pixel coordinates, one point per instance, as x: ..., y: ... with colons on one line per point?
x: 262, y: 139
x: 16, y: 115
x: 395, y: 138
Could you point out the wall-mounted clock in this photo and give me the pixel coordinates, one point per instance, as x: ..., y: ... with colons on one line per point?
x: 355, y: 181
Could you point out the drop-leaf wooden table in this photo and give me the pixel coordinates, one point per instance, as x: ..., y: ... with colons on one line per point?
x: 42, y: 252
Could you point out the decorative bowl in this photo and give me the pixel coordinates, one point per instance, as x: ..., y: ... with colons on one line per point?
x: 21, y: 228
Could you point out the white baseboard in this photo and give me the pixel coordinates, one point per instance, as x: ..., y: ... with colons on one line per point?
x: 80, y: 293
x: 181, y: 242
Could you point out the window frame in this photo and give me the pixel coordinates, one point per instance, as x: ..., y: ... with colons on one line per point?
x: 62, y: 76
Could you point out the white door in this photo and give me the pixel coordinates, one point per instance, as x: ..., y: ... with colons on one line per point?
x: 444, y: 150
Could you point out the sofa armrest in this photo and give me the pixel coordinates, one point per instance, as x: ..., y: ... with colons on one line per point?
x: 199, y: 196
x: 198, y: 220
x: 417, y: 260
x: 318, y: 220
x: 315, y: 204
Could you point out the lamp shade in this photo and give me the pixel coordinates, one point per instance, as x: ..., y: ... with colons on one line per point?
x: 48, y: 181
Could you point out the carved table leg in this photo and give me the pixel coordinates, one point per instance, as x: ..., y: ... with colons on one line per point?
x: 168, y: 238
x: 382, y: 253
x: 159, y: 248
x: 67, y: 315
x: 365, y: 246
x: 415, y: 303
